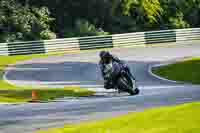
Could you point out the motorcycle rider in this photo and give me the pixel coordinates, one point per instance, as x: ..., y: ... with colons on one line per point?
x: 105, y: 59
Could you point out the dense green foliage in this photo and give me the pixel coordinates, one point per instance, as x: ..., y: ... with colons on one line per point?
x: 19, y: 22
x: 42, y: 19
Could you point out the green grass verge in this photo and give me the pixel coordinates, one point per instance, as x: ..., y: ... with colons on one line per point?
x: 11, y: 93
x: 187, y: 71
x: 175, y: 119
x: 45, y: 95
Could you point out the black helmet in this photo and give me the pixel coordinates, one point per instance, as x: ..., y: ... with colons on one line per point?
x: 104, y: 54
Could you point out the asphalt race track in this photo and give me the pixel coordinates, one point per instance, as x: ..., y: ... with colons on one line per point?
x: 82, y: 69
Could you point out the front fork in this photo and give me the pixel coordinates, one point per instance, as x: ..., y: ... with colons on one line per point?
x: 133, y: 78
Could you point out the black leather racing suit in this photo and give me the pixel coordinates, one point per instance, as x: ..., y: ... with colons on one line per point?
x: 107, y: 83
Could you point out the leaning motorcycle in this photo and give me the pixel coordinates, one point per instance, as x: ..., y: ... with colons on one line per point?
x: 120, y: 78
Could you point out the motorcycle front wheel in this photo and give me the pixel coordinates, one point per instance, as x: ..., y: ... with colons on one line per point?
x: 125, y: 84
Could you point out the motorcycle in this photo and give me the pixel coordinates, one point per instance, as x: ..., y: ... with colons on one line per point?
x: 120, y: 78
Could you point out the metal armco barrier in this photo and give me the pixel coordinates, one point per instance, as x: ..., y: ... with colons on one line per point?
x: 61, y: 45
x: 129, y: 39
x: 187, y: 34
x: 4, y: 49
x: 96, y: 42
x: 26, y: 48
x: 160, y: 36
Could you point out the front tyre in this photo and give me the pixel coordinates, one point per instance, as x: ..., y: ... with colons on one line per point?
x: 136, y: 91
x: 133, y: 92
x: 125, y: 84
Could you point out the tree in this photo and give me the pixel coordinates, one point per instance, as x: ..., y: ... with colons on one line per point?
x: 31, y: 19
x: 191, y: 11
x: 84, y: 28
x: 145, y: 12
x: 23, y: 23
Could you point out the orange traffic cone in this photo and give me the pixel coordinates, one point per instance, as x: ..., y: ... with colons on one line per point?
x: 34, y: 96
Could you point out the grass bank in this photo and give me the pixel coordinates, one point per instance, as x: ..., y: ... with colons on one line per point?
x: 187, y: 71
x: 11, y: 93
x: 45, y: 94
x: 175, y: 119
